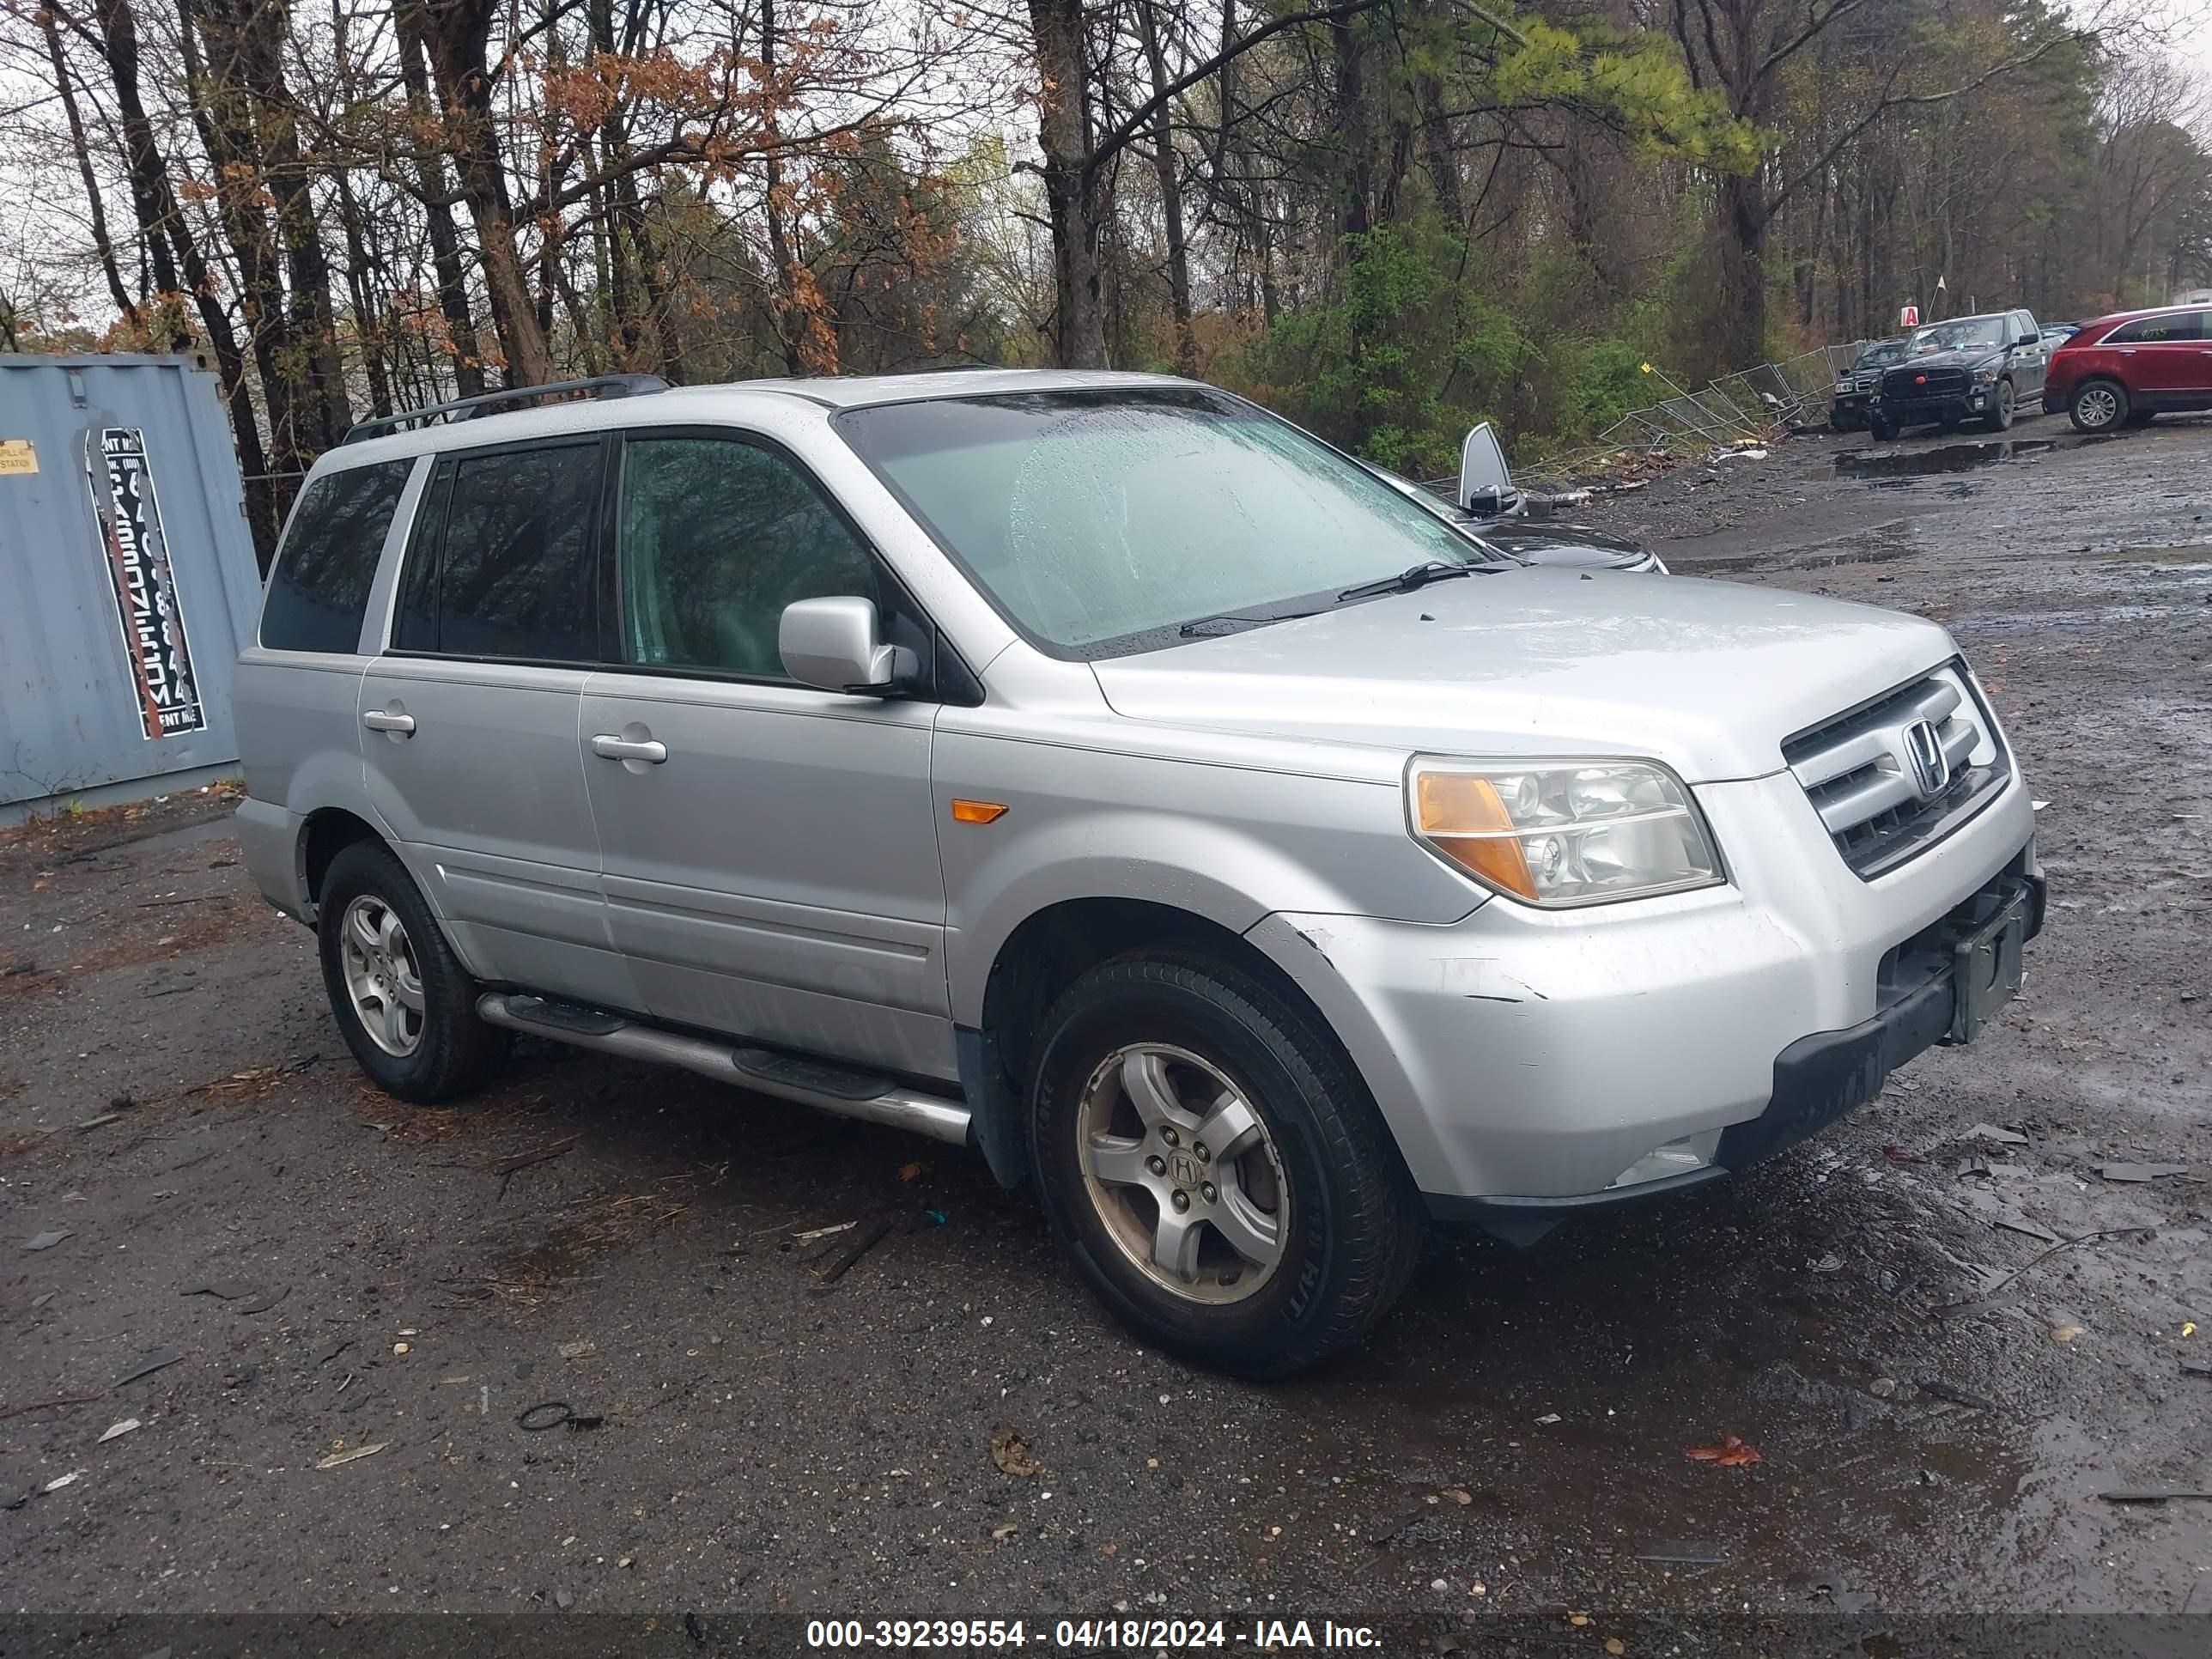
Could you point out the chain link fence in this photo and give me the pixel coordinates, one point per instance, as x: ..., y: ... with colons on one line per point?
x: 1752, y: 406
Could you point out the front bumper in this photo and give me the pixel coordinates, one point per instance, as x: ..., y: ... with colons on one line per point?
x: 1533, y: 1063
x: 1927, y: 411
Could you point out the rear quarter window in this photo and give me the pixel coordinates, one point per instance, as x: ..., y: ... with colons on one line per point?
x: 2156, y: 331
x: 318, y: 589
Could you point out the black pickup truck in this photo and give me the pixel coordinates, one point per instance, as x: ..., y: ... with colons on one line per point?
x: 1984, y: 368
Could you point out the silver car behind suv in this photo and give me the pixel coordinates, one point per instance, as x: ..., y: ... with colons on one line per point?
x: 1098, y: 771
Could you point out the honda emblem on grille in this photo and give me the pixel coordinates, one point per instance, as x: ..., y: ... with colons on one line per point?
x: 1923, y: 755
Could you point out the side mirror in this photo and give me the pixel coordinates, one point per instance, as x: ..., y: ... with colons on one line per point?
x: 834, y: 644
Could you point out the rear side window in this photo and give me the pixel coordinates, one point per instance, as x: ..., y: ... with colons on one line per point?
x: 319, y: 591
x: 2157, y: 331
x: 511, y: 569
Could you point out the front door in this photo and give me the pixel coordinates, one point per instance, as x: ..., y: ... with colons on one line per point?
x: 769, y: 851
x: 469, y: 717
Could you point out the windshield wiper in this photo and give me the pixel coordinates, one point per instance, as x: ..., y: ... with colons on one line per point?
x: 1436, y: 570
x: 1191, y: 631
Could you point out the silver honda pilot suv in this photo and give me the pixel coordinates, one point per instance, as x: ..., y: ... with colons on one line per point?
x: 1099, y: 772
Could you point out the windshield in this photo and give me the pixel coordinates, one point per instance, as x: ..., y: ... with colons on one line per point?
x: 1962, y: 333
x: 1886, y: 351
x: 1095, y: 518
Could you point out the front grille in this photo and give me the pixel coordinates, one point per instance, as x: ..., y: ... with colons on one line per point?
x: 1859, y: 769
x: 1910, y: 384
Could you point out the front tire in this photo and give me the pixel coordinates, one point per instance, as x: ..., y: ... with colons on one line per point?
x: 1883, y: 431
x: 2001, y: 406
x: 1215, y: 1167
x: 404, y: 1003
x: 2097, y: 406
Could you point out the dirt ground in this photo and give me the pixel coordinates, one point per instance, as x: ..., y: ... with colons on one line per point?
x: 1943, y: 1342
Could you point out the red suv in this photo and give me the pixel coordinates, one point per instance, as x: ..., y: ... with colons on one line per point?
x: 2121, y: 370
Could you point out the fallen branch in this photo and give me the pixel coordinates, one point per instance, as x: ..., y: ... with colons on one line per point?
x: 49, y: 1404
x: 2037, y: 1259
x: 868, y: 1241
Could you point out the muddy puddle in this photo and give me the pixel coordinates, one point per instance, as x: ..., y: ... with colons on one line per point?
x: 1945, y: 458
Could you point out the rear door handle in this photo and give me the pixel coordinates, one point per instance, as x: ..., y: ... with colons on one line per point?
x: 608, y: 746
x: 376, y: 719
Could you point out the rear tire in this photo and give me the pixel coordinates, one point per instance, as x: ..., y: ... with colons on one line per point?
x: 1270, y: 1257
x: 404, y: 1003
x: 2097, y: 406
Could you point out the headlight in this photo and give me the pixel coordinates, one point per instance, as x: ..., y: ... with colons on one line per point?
x: 1983, y: 376
x: 1559, y: 833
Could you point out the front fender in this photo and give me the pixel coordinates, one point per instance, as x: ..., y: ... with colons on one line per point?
x: 1225, y: 844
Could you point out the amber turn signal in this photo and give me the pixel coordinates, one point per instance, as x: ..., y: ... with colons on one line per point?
x: 1463, y: 818
x: 977, y: 812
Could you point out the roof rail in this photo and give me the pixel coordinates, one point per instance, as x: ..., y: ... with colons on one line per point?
x: 492, y: 403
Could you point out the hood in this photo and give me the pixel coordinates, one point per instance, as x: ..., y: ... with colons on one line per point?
x: 1575, y: 545
x: 1968, y: 357
x: 1706, y: 675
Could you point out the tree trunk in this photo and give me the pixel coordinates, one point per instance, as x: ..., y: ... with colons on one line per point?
x: 1740, y: 334
x: 1166, y: 168
x: 790, y: 326
x: 1355, y: 207
x: 222, y: 115
x: 364, y: 272
x: 325, y: 409
x: 173, y: 252
x: 1071, y: 193
x: 456, y: 33
x: 64, y: 84
x: 444, y: 245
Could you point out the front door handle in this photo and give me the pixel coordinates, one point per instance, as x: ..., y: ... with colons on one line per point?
x: 608, y: 745
x: 378, y: 720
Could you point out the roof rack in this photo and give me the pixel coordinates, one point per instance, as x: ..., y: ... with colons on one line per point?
x: 492, y: 403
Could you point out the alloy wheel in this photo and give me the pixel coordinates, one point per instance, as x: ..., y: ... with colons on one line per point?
x: 2097, y: 406
x: 1179, y: 1165
x: 382, y: 976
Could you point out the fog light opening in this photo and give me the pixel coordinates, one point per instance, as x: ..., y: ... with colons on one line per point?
x: 1676, y: 1157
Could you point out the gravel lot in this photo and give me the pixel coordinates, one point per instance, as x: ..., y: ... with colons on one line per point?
x: 1936, y: 1384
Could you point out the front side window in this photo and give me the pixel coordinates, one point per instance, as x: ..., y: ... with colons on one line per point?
x: 318, y: 589
x: 2159, y: 331
x: 718, y: 536
x: 516, y: 571
x: 1091, y: 517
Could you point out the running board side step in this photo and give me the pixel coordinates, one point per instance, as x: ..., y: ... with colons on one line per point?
x: 822, y: 1085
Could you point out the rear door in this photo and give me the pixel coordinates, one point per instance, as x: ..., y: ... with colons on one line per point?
x: 2197, y: 379
x: 468, y: 716
x: 769, y: 850
x: 2030, y: 363
x: 296, y: 694
x: 2162, y: 359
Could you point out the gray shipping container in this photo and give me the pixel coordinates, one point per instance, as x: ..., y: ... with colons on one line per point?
x: 127, y: 580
